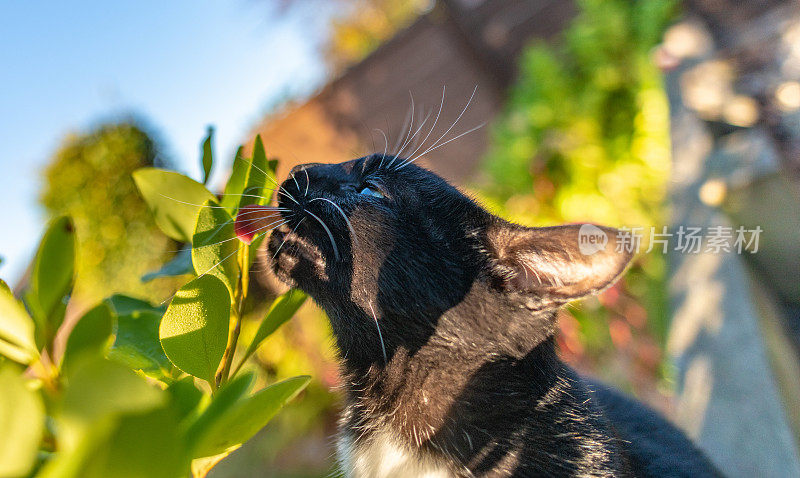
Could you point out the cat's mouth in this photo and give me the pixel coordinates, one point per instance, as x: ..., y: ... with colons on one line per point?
x: 280, y: 234
x: 295, y: 258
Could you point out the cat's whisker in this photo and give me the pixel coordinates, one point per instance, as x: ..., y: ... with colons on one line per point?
x: 385, y: 146
x: 257, y: 231
x: 407, y: 135
x: 415, y: 144
x: 410, y: 127
x: 406, y: 122
x: 221, y: 260
x: 410, y: 140
x: 435, y: 121
x: 280, y: 188
x: 201, y: 275
x: 222, y: 226
x: 295, y: 246
x: 371, y: 136
x: 250, y: 221
x: 460, y: 115
x: 260, y: 187
x: 344, y: 216
x: 254, y: 189
x: 286, y: 237
x: 286, y: 194
x: 252, y: 196
x: 217, y: 231
x: 259, y: 211
x: 328, y: 231
x: 442, y: 144
x: 308, y: 182
x: 380, y: 335
x: 388, y: 134
x: 270, y: 226
x: 211, y: 206
x: 266, y: 265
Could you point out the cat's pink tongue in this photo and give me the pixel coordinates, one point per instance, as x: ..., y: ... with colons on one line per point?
x: 254, y: 219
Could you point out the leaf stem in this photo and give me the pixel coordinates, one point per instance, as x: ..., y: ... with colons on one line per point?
x: 241, y: 295
x: 47, y: 372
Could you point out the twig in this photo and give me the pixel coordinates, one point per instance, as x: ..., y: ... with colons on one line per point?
x: 241, y: 295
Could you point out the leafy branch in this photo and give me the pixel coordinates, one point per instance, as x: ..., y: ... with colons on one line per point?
x: 107, y: 419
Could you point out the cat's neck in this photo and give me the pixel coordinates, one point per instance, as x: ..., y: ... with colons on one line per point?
x: 479, y: 328
x: 412, y: 385
x: 470, y: 409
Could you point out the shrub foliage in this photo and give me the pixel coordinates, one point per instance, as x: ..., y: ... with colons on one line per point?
x: 89, y: 179
x: 584, y: 138
x: 141, y: 389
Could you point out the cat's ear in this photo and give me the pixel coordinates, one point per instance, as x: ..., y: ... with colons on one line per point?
x: 557, y: 264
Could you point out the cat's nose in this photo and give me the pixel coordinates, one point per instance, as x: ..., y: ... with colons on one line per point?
x: 301, y: 167
x: 312, y: 179
x: 299, y: 179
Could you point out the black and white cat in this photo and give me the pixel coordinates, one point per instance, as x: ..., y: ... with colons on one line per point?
x: 445, y: 316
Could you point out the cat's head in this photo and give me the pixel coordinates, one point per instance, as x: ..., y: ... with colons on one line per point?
x: 395, y: 254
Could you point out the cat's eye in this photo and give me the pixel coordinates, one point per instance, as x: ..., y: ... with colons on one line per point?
x: 368, y: 191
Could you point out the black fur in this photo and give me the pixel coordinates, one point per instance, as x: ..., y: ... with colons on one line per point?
x: 463, y: 366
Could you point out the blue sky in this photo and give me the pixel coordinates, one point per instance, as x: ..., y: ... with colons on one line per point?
x: 180, y: 64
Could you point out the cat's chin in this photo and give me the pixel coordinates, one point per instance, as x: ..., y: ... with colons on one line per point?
x: 295, y: 260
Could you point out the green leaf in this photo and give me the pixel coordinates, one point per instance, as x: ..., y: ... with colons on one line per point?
x: 17, y: 340
x: 255, y: 246
x: 180, y: 264
x: 186, y: 397
x: 173, y: 198
x: 21, y: 423
x: 194, y: 330
x: 214, y: 245
x: 134, y: 445
x: 239, y: 421
x: 126, y: 305
x: 224, y: 400
x: 141, y: 445
x: 137, y: 344
x: 236, y: 181
x: 98, y: 388
x: 111, y: 422
x: 260, y: 177
x: 207, y: 154
x: 201, y: 466
x: 52, y: 278
x: 91, y: 334
x: 14, y: 353
x: 98, y: 393
x: 281, y: 310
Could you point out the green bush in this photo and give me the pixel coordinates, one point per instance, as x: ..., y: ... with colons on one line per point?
x: 142, y: 390
x: 89, y: 179
x: 585, y: 138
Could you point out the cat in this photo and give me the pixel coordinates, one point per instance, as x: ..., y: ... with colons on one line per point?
x: 444, y: 316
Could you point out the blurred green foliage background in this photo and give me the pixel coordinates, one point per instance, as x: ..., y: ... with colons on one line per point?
x: 89, y: 179
x: 583, y: 137
x: 363, y: 25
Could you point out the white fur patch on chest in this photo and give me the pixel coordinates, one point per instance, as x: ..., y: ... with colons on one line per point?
x: 383, y: 457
